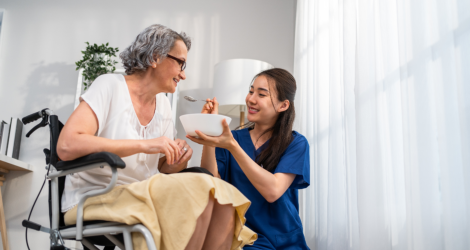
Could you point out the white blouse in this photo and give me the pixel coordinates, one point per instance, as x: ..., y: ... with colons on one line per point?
x: 110, y: 100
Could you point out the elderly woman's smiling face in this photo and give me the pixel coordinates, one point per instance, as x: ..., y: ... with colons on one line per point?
x: 168, y: 71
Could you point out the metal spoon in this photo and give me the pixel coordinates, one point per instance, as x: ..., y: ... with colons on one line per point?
x: 191, y: 99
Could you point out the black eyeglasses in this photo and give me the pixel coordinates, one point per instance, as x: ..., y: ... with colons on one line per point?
x: 182, y: 63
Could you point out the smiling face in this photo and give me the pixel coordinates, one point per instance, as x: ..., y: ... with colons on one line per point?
x: 262, y: 103
x: 168, y: 72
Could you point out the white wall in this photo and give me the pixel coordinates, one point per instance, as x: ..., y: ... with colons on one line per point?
x: 41, y: 40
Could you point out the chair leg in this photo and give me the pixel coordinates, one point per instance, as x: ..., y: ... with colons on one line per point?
x: 127, y: 240
x: 88, y: 246
x: 147, y: 235
x: 115, y: 241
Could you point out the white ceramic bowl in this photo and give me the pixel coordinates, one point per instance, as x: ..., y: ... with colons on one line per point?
x: 206, y: 123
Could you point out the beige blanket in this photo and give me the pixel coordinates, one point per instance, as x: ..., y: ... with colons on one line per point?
x: 168, y: 205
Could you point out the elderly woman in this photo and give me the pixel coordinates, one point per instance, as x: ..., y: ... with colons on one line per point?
x: 130, y: 116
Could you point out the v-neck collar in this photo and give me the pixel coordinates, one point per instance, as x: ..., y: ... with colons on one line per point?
x: 261, y: 148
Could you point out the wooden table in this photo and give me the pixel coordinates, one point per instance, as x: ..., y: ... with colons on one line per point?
x: 8, y: 164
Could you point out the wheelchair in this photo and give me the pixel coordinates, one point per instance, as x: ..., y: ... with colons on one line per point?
x: 90, y: 233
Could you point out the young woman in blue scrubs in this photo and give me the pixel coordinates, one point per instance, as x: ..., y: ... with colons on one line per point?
x: 267, y: 161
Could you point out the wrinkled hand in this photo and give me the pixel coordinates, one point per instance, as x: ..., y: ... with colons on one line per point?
x: 211, y: 107
x: 225, y: 140
x: 185, y: 154
x: 166, y: 146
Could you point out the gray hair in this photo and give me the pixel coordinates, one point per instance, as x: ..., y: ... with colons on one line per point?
x: 152, y: 43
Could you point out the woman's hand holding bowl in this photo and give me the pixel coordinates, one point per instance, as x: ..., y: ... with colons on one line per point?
x: 225, y: 140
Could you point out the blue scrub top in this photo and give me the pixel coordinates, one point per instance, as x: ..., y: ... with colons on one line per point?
x: 277, y: 224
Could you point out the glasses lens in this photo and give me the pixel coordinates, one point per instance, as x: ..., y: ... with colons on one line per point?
x: 179, y: 61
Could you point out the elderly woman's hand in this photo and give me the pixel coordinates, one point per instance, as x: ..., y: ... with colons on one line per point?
x: 164, y: 145
x: 225, y: 140
x: 211, y: 107
x: 185, y: 150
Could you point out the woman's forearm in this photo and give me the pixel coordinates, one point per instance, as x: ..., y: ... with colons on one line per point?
x: 269, y: 185
x: 208, y: 160
x: 171, y: 169
x: 79, y: 145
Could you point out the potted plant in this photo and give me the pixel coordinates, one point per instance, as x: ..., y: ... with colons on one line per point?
x: 97, y: 60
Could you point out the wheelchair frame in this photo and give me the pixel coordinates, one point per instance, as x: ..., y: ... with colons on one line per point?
x: 59, y: 169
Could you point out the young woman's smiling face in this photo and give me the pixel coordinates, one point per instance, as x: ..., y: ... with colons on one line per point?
x: 260, y: 100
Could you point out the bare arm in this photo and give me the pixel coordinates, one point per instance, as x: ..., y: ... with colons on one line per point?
x: 208, y: 160
x: 271, y: 186
x: 78, y: 139
x: 166, y: 168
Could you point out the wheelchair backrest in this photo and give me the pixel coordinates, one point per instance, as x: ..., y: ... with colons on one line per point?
x: 52, y: 158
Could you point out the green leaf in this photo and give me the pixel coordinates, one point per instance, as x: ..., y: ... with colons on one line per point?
x: 96, y: 66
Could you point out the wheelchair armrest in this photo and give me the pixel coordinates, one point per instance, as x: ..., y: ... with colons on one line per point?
x: 110, y: 158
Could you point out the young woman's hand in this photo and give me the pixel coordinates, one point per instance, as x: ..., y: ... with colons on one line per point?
x: 211, y: 107
x: 225, y: 140
x: 166, y: 146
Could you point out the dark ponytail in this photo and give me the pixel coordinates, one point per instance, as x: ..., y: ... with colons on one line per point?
x: 281, y: 136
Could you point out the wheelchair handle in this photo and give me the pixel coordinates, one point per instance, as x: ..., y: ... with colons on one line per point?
x: 31, y: 225
x: 32, y: 117
x: 44, y: 114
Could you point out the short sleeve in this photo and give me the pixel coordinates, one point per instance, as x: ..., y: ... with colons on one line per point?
x: 98, y: 97
x: 222, y: 156
x: 168, y: 126
x: 296, y: 160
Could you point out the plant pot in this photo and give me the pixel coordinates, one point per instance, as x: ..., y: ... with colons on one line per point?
x: 99, y: 56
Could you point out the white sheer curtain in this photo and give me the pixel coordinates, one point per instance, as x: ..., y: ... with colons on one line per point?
x: 384, y: 99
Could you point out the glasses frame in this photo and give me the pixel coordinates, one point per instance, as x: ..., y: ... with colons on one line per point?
x: 182, y: 63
